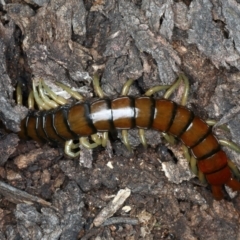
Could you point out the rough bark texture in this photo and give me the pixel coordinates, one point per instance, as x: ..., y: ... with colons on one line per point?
x: 44, y: 194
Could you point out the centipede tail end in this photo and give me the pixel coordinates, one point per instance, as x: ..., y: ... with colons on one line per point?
x: 217, y: 192
x: 233, y: 184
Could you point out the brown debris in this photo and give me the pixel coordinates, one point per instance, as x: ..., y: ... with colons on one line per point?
x: 7, y: 146
x: 17, y: 196
x: 23, y: 161
x: 112, y: 207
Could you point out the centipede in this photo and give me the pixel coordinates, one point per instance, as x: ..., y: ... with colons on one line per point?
x: 60, y: 122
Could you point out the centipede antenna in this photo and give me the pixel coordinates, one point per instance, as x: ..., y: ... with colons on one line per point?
x: 104, y: 139
x: 143, y: 140
x: 169, y: 92
x: 230, y: 144
x: 98, y: 90
x: 42, y: 105
x: 19, y: 94
x: 126, y: 87
x: 44, y: 97
x: 58, y: 99
x: 73, y: 93
x: 96, y: 139
x: 69, y: 145
x: 155, y: 89
x: 186, y: 89
x: 85, y: 142
x: 234, y: 169
x: 193, y: 165
x: 31, y: 100
x: 125, y: 140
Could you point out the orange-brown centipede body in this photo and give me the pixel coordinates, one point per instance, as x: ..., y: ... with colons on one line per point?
x: 82, y: 119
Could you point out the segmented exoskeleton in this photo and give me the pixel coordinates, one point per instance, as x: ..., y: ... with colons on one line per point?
x: 82, y: 119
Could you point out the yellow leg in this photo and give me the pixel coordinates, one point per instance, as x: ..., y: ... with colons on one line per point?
x: 202, y: 177
x: 170, y: 139
x: 186, y: 153
x: 100, y: 139
x: 126, y: 87
x: 31, y: 100
x: 19, y: 94
x: 41, y: 104
x: 155, y: 89
x: 96, y: 138
x: 104, y: 139
x: 143, y: 140
x: 58, y: 99
x: 169, y: 92
x: 69, y: 146
x: 230, y: 144
x: 234, y: 169
x: 212, y: 122
x: 97, y: 89
x: 73, y: 93
x: 125, y: 140
x: 186, y: 89
x: 193, y: 165
x: 85, y: 142
x: 44, y: 103
x: 45, y: 98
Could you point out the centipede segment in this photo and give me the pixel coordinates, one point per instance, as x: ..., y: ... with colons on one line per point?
x: 60, y: 122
